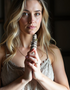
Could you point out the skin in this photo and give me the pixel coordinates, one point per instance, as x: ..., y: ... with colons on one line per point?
x: 32, y: 16
x: 29, y: 18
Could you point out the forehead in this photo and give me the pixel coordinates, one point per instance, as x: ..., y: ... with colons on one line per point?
x: 32, y: 5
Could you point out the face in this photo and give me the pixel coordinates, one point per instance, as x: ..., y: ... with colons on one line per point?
x: 31, y: 17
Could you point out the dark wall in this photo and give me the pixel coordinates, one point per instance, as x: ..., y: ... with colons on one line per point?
x: 1, y: 18
x: 59, y: 11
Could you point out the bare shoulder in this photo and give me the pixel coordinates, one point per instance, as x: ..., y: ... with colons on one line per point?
x: 58, y: 67
x: 2, y: 52
x: 55, y: 50
x: 55, y: 53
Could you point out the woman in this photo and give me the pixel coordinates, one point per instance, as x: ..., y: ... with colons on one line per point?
x: 26, y: 18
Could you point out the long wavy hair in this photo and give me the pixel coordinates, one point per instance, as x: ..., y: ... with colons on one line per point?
x: 12, y: 31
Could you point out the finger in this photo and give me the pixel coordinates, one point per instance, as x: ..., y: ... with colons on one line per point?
x: 28, y: 53
x: 26, y: 60
x: 27, y: 64
x: 32, y: 59
x: 32, y: 54
x: 32, y: 66
x: 31, y: 51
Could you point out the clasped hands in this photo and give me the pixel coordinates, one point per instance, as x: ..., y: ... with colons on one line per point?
x: 32, y: 62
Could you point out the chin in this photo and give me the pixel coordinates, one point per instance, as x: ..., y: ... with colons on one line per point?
x: 32, y: 32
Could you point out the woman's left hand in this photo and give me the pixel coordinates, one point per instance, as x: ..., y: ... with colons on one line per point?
x: 34, y: 64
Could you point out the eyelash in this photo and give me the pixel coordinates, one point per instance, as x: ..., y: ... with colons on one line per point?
x: 24, y: 14
x: 27, y: 14
x: 37, y: 14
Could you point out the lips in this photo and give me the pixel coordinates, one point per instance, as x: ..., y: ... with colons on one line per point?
x: 31, y: 27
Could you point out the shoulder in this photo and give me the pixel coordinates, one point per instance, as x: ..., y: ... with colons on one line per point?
x: 58, y: 67
x: 2, y: 52
x: 54, y: 53
x: 55, y: 49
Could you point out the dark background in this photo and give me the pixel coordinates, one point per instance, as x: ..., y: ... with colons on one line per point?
x: 59, y: 11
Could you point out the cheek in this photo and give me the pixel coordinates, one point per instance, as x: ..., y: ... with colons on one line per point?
x: 23, y: 21
x: 39, y: 22
x: 22, y: 24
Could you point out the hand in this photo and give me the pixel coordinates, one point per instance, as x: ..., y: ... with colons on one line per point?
x: 28, y: 71
x: 34, y: 63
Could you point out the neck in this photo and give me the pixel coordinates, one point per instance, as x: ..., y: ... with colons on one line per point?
x: 25, y: 40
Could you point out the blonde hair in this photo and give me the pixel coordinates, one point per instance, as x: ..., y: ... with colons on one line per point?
x: 43, y: 34
x: 11, y: 27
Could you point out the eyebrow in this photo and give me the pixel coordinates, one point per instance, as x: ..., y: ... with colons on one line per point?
x: 34, y: 11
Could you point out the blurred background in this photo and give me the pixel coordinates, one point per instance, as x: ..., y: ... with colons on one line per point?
x: 59, y: 19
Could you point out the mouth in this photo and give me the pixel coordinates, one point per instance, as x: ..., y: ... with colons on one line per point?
x: 31, y: 27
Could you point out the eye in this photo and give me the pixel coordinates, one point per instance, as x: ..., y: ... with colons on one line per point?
x: 37, y: 14
x: 25, y: 14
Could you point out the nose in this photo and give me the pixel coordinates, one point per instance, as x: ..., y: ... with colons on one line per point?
x: 31, y: 19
